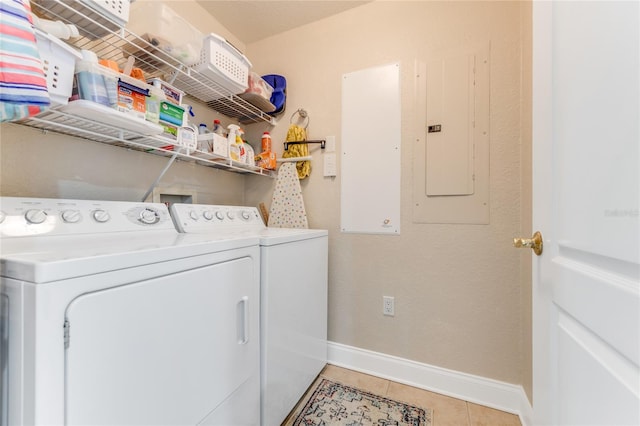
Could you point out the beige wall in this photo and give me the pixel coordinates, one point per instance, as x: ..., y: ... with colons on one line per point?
x: 37, y: 164
x: 458, y: 288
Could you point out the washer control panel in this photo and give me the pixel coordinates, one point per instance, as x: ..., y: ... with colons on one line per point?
x: 47, y: 216
x: 211, y: 218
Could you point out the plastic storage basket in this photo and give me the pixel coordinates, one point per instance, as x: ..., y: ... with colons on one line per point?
x: 224, y: 64
x: 94, y: 18
x: 58, y: 61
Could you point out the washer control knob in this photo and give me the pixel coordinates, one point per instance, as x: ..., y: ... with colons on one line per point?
x: 193, y: 215
x: 231, y: 215
x: 207, y: 215
x: 71, y: 216
x: 35, y: 216
x: 219, y: 215
x: 149, y: 216
x: 245, y: 215
x: 101, y: 216
x: 2, y: 216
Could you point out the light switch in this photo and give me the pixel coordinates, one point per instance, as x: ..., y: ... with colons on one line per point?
x: 330, y: 166
x: 330, y: 144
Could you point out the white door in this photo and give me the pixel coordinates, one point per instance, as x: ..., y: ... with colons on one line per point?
x: 586, y: 300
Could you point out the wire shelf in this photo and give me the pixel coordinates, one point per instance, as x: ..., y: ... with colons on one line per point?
x: 109, y: 40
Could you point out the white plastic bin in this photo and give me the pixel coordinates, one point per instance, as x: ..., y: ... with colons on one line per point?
x: 58, y: 61
x: 224, y: 64
x: 167, y: 30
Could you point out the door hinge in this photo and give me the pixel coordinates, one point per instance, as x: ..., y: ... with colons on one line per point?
x: 66, y: 334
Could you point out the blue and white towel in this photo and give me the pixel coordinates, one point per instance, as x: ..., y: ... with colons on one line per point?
x: 23, y: 85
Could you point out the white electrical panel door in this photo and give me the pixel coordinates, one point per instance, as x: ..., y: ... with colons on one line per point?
x: 451, y: 150
x: 169, y: 350
x: 450, y: 121
x: 371, y: 136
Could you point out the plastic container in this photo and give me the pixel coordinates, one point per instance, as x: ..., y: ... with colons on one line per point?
x: 203, y: 129
x: 259, y: 86
x: 217, y: 128
x: 266, y: 142
x: 173, y: 94
x: 214, y: 144
x: 167, y: 30
x: 155, y: 98
x: 58, y: 61
x: 224, y: 64
x: 250, y: 155
x: 96, y: 83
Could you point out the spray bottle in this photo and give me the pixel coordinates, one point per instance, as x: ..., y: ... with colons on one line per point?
x: 232, y: 139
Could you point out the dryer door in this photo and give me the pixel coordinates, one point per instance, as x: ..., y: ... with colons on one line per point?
x: 166, y: 351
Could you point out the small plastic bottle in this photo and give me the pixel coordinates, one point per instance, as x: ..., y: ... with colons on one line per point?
x: 217, y: 128
x: 202, y: 129
x: 266, y: 142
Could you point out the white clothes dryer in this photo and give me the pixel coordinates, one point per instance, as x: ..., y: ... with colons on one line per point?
x: 293, y: 281
x: 109, y: 316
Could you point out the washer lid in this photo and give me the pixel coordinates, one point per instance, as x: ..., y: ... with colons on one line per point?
x: 47, y: 259
x: 274, y: 236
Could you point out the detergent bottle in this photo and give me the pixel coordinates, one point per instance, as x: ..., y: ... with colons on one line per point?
x: 242, y: 145
x: 232, y: 138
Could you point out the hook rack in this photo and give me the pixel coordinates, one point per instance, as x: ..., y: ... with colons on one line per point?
x: 322, y: 143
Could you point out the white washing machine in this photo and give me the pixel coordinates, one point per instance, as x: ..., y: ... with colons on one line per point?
x: 294, y: 269
x: 111, y: 317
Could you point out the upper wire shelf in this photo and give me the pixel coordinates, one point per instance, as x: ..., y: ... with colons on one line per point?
x: 108, y: 40
x: 99, y: 36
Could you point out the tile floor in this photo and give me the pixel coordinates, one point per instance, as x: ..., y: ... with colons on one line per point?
x: 447, y: 411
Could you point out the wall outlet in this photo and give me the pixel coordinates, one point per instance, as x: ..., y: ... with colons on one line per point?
x: 388, y: 307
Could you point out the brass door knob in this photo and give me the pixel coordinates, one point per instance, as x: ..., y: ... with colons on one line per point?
x: 534, y: 243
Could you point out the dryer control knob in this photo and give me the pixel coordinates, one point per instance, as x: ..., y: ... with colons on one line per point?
x: 35, y: 216
x: 149, y: 216
x: 71, y: 216
x: 245, y: 215
x: 101, y: 216
x: 207, y: 215
x: 219, y: 215
x: 231, y: 214
x: 193, y: 215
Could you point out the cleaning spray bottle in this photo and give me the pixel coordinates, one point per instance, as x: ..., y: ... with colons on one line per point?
x: 235, y: 142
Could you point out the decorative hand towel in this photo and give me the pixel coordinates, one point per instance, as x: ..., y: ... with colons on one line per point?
x: 23, y: 85
x: 297, y: 133
x: 287, y: 207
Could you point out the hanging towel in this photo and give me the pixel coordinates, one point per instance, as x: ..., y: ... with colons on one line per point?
x: 23, y: 85
x: 287, y: 207
x: 297, y: 133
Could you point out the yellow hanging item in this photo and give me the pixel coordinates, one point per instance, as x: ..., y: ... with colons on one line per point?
x: 297, y: 133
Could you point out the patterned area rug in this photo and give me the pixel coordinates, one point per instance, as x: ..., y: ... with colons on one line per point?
x: 333, y: 403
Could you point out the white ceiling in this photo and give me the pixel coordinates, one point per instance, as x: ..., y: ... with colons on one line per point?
x: 251, y: 21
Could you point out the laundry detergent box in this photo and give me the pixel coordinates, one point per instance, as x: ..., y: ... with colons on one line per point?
x: 132, y: 96
x: 171, y: 113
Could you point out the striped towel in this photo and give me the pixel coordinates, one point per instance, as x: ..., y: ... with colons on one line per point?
x: 23, y: 85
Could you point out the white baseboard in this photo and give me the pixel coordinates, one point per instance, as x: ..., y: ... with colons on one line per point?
x: 480, y: 390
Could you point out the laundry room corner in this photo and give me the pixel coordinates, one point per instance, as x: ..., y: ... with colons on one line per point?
x: 459, y: 303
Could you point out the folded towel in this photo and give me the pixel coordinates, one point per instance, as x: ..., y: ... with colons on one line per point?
x: 23, y: 85
x: 297, y: 133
